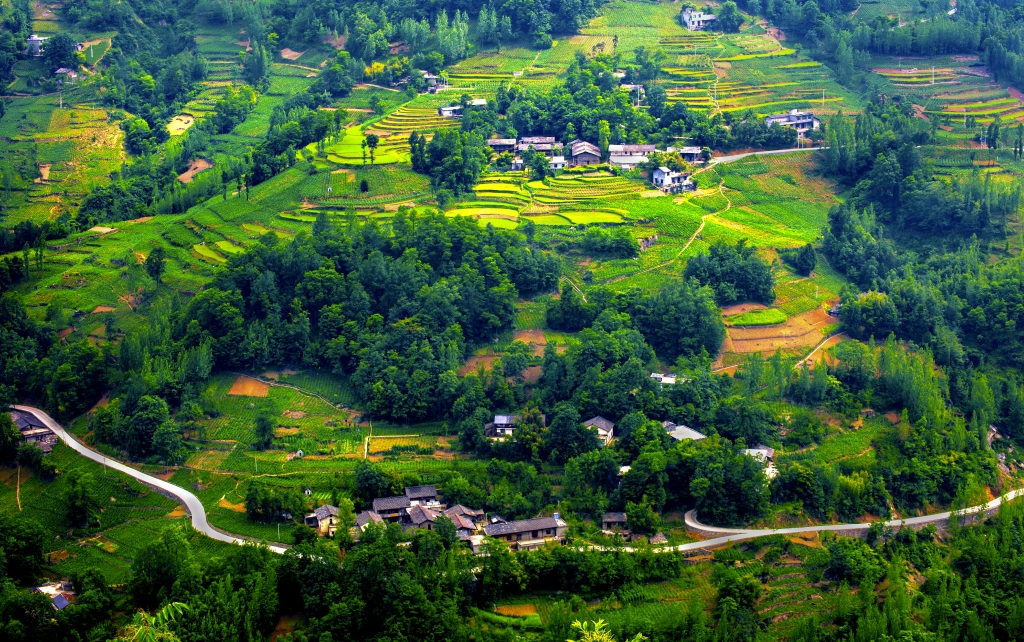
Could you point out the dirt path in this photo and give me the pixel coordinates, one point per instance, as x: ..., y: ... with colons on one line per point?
x: 575, y: 287
x: 822, y: 346
x: 17, y: 491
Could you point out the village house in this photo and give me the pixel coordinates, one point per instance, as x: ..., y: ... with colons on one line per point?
x: 669, y: 181
x: 503, y: 426
x: 426, y: 495
x: 478, y: 102
x: 525, y: 534
x: 35, y: 44
x: 544, y: 144
x: 801, y: 121
x: 365, y: 518
x: 583, y: 153
x: 430, y: 78
x: 500, y: 145
x: 629, y: 156
x: 324, y: 520
x: 679, y: 433
x: 557, y: 162
x: 602, y: 426
x: 391, y: 509
x: 695, y: 20
x: 68, y: 74
x: 421, y: 517
x: 766, y: 456
x: 612, y: 521
x: 690, y: 154
x: 631, y: 87
x: 450, y: 111
x: 60, y: 593
x: 33, y: 431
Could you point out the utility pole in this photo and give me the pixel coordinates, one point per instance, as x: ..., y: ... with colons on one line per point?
x: 933, y: 74
x: 822, y: 97
x: 257, y: 463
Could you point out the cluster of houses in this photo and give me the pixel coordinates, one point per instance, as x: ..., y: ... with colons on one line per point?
x: 421, y: 507
x: 33, y: 431
x: 34, y: 47
x: 801, y: 121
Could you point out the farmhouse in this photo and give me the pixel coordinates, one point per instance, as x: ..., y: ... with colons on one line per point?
x: 695, y: 20
x: 611, y: 521
x: 629, y: 156
x: 34, y: 431
x: 430, y: 78
x: 525, y: 534
x: 765, y: 455
x: 557, y: 162
x: 366, y: 518
x: 801, y: 121
x: 391, y: 509
x: 324, y: 520
x: 478, y: 102
x: 690, y: 154
x: 35, y: 44
x: 679, y: 433
x: 502, y: 426
x: 60, y: 594
x: 421, y: 517
x: 422, y: 495
x: 632, y: 87
x: 451, y: 111
x: 500, y: 145
x: 670, y: 182
x: 583, y: 153
x: 603, y: 427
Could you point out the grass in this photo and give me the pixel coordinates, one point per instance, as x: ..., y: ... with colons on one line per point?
x: 771, y: 316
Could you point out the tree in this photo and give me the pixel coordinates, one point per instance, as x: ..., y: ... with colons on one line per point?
x: 264, y: 430
x: 604, y: 134
x: 60, y: 51
x: 641, y: 518
x: 82, y: 498
x: 155, y: 263
x: 567, y: 437
x: 153, y: 628
x: 729, y: 17
x: 371, y: 143
x: 10, y: 437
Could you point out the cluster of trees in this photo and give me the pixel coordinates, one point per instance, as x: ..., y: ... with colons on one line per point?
x: 734, y: 272
x: 617, y: 242
x: 17, y: 20
x: 453, y: 159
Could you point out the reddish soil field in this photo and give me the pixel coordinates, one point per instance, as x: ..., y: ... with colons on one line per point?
x: 802, y: 331
x: 474, y: 362
x: 534, y: 338
x: 102, y: 308
x: 740, y: 308
x: 517, y: 610
x: 288, y: 54
x: 248, y: 387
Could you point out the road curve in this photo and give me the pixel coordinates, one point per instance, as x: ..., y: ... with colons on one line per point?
x: 719, y: 536
x: 183, y: 496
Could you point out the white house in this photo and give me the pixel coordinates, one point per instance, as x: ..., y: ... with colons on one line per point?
x: 35, y: 44
x: 695, y: 20
x: 690, y: 154
x: 604, y: 428
x: 629, y: 156
x: 765, y: 455
x: 679, y: 433
x: 478, y: 102
x: 670, y: 182
x: 557, y: 162
x: 452, y: 111
x: 801, y: 121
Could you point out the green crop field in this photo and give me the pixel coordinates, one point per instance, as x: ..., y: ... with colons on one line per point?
x: 771, y: 316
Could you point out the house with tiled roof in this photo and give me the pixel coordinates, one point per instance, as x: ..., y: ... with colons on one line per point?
x: 391, y: 509
x: 324, y: 520
x: 604, y: 428
x: 528, y: 533
x: 611, y: 521
x: 421, y: 517
x: 61, y: 594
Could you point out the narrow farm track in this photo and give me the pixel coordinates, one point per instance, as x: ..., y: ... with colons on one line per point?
x: 718, y: 536
x: 575, y: 287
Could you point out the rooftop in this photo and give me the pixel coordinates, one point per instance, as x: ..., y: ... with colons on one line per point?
x: 421, y: 492
x: 600, y: 423
x: 614, y: 517
x: 390, y: 503
x: 523, y: 526
x: 325, y: 511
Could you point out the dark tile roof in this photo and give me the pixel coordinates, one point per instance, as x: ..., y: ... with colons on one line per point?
x: 540, y: 147
x: 459, y: 509
x: 533, y: 140
x: 523, y: 526
x: 583, y: 147
x: 60, y: 602
x: 421, y: 515
x: 617, y: 518
x: 26, y: 421
x: 368, y: 517
x: 390, y: 503
x: 461, y: 521
x: 325, y: 511
x: 421, y: 492
x: 600, y: 422
x: 631, y: 149
x: 501, y: 141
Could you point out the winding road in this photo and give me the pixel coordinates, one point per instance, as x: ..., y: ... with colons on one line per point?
x: 717, y: 536
x: 181, y: 495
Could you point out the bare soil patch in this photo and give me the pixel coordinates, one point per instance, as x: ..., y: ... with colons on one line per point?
x: 270, y: 374
x: 532, y: 374
x: 285, y: 432
x: 197, y: 166
x: 224, y: 503
x: 893, y: 417
x: 339, y: 42
x: 141, y: 220
x: 802, y: 331
x: 249, y: 387
x: 100, y: 309
x: 534, y: 338
x: 516, y: 610
x: 44, y: 172
x: 289, y: 54
x: 179, y: 511
x: 474, y: 362
x: 294, y: 414
x: 54, y: 557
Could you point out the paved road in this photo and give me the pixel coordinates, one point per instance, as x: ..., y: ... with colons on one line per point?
x: 735, y: 157
x: 720, y: 536
x: 183, y: 496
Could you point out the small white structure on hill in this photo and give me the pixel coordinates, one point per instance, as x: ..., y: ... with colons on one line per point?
x: 801, y: 121
x: 695, y: 20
